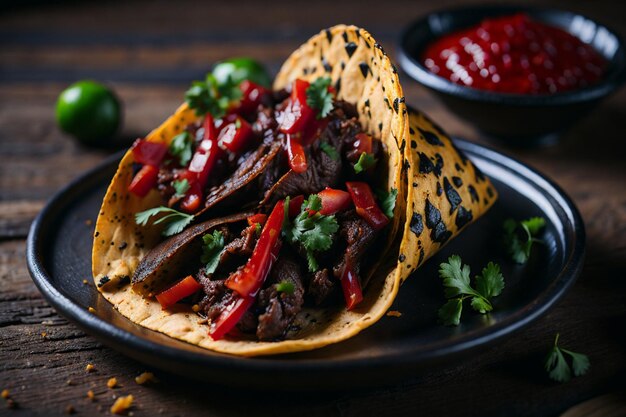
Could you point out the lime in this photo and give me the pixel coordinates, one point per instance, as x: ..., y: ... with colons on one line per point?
x: 240, y: 69
x: 89, y: 111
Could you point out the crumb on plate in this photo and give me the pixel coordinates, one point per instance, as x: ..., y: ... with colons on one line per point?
x: 122, y: 404
x: 146, y: 377
x: 394, y: 313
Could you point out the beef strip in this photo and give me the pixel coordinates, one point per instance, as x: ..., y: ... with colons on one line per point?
x: 280, y: 308
x: 320, y: 286
x: 358, y: 235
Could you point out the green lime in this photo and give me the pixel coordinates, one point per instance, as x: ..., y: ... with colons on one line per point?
x: 239, y: 69
x: 89, y: 111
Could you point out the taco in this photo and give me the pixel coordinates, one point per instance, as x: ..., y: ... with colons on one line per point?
x: 258, y: 221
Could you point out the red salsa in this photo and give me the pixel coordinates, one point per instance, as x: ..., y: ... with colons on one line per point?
x: 514, y: 54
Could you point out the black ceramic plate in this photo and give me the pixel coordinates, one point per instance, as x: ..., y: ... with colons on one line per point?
x: 59, y: 258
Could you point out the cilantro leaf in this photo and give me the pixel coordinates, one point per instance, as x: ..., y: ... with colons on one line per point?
x: 365, y: 162
x: 330, y: 150
x: 181, y: 187
x: 286, y: 287
x: 456, y: 277
x: 209, y: 96
x: 181, y: 147
x: 319, y: 98
x: 519, y: 237
x: 175, y: 221
x: 387, y: 201
x: 212, y: 247
x: 491, y: 282
x: 557, y: 367
x: 450, y: 312
x: 456, y: 280
x: 314, y: 232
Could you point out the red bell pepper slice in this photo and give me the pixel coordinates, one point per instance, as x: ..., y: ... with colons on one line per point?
x: 248, y: 280
x: 209, y: 128
x: 295, y: 205
x: 144, y: 180
x: 334, y: 201
x: 234, y: 134
x: 230, y: 317
x: 193, y: 198
x: 351, y: 287
x: 149, y: 153
x: 204, y: 160
x: 251, y: 98
x: 296, y: 155
x: 296, y: 116
x: 366, y: 206
x: 178, y: 291
x: 258, y: 218
x: 363, y: 143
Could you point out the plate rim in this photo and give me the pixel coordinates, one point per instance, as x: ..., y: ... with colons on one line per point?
x: 123, y: 340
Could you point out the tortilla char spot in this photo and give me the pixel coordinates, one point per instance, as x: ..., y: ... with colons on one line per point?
x: 430, y: 137
x: 453, y: 197
x: 458, y: 182
x: 473, y: 193
x: 414, y: 184
x: 350, y: 48
x: 326, y: 65
x: 343, y: 65
x: 367, y: 102
x: 485, y: 201
x: 305, y: 71
x: 365, y: 69
x: 380, y: 127
x: 463, y: 217
x: 411, y: 130
x: 439, y: 189
x: 458, y: 167
x: 438, y: 231
x: 406, y: 165
x: 401, y: 258
x: 426, y: 165
x: 478, y: 174
x: 438, y: 165
x: 490, y: 192
x: 338, y: 85
x: 329, y: 35
x: 421, y: 258
x: 103, y: 281
x: 345, y: 36
x: 416, y: 226
x: 413, y: 144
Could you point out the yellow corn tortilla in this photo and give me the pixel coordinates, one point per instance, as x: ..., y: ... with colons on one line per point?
x: 362, y: 74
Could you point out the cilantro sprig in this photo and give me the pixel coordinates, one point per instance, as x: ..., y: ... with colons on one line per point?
x: 210, y: 96
x: 319, y: 98
x: 387, y: 201
x: 329, y: 150
x: 458, y: 288
x: 365, y: 162
x: 286, y: 287
x: 520, y: 236
x: 175, y: 221
x: 212, y: 247
x: 557, y: 366
x: 181, y: 187
x: 181, y: 147
x: 314, y: 232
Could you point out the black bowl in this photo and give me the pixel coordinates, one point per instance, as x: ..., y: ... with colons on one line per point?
x: 520, y: 120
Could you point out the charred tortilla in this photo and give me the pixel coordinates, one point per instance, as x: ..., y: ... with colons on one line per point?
x: 363, y: 75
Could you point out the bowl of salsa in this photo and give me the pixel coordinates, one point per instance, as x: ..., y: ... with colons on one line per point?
x: 519, y: 74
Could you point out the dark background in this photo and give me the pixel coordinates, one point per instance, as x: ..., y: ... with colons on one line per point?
x: 149, y: 52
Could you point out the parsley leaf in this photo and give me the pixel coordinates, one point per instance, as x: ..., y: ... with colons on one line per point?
x: 520, y: 236
x: 175, y: 221
x: 314, y: 232
x: 209, y: 96
x: 319, y: 98
x: 387, y: 201
x: 557, y: 367
x: 181, y: 187
x: 212, y: 247
x: 286, y: 287
x: 365, y: 162
x: 330, y: 150
x: 180, y: 146
x: 456, y: 280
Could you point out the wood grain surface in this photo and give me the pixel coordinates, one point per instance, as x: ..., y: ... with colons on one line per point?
x: 149, y: 52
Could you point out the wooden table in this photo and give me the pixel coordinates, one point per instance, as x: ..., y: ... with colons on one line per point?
x: 149, y: 52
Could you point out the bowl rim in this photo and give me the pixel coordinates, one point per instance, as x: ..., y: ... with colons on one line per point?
x: 614, y: 78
